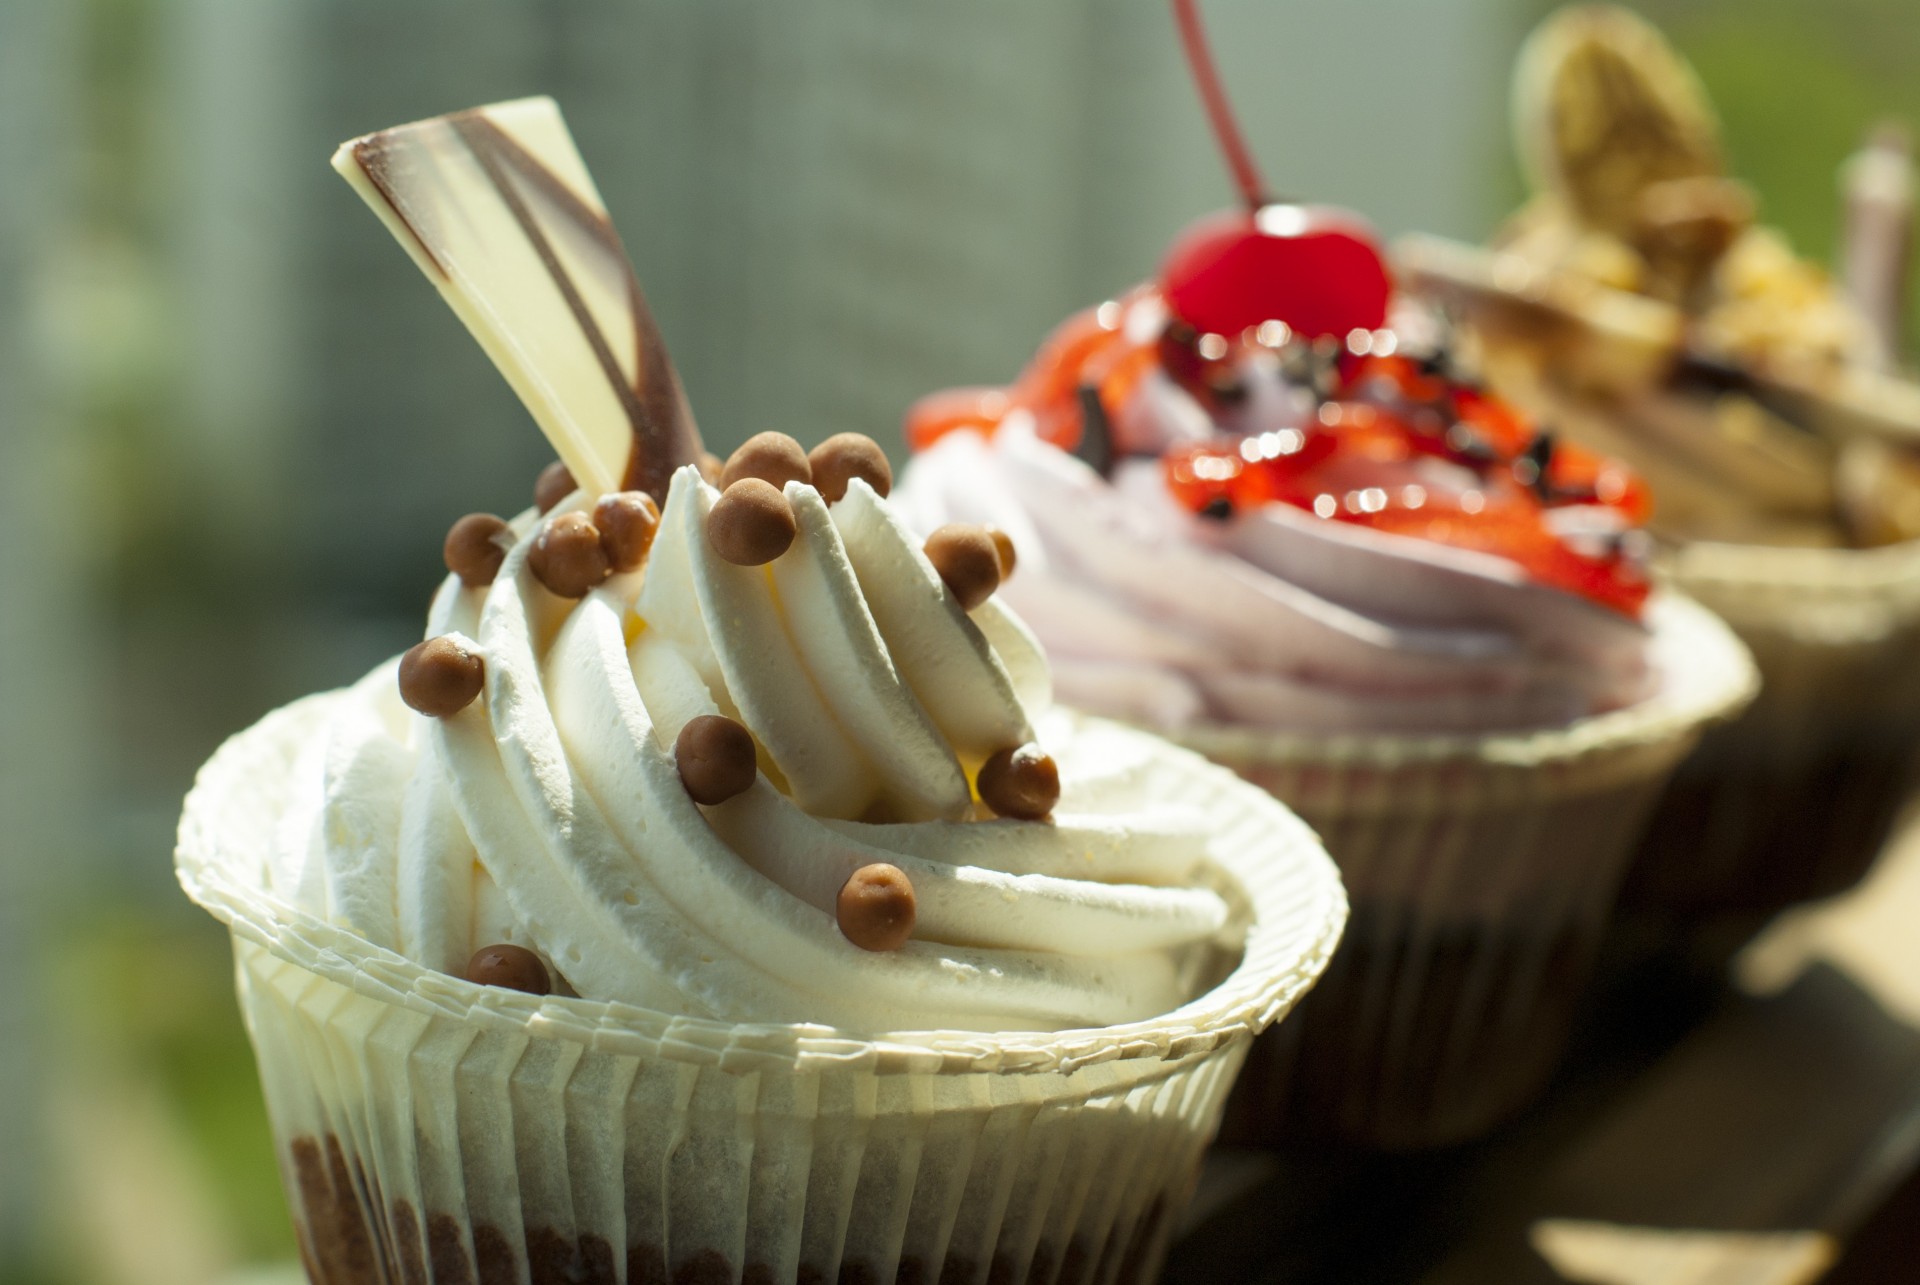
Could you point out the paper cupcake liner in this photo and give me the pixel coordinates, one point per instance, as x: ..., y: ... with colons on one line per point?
x: 432, y: 1130
x: 1482, y: 872
x: 1796, y: 798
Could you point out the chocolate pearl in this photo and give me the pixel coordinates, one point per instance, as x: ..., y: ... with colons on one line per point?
x: 967, y: 560
x: 1003, y: 546
x: 774, y: 458
x: 441, y: 676
x: 628, y: 521
x: 751, y: 524
x: 845, y: 456
x: 715, y: 758
x: 875, y: 907
x: 475, y: 546
x: 1022, y: 782
x: 711, y: 467
x: 567, y: 556
x: 553, y: 485
x: 514, y: 967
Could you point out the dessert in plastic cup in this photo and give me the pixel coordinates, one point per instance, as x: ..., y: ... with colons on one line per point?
x: 1637, y: 305
x: 1251, y: 514
x: 714, y: 894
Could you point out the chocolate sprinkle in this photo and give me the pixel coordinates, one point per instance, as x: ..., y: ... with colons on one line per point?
x: 514, y: 967
x: 441, y: 676
x: 1095, y: 446
x: 627, y: 521
x: 715, y: 757
x: 553, y: 485
x: 968, y: 560
x: 1470, y: 446
x: 1217, y: 509
x: 1021, y: 782
x: 876, y: 908
x: 751, y: 524
x: 475, y: 547
x: 845, y: 456
x: 774, y: 458
x: 567, y: 556
x: 1532, y: 467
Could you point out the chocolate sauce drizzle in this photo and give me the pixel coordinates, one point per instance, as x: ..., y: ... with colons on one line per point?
x: 1095, y: 446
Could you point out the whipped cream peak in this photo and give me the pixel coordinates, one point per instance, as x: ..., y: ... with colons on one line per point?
x: 1270, y: 616
x: 550, y: 813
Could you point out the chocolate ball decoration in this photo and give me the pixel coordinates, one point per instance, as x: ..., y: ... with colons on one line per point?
x: 875, y: 908
x: 1003, y: 546
x: 553, y: 485
x: 441, y: 676
x: 1022, y: 782
x: 475, y: 547
x: 967, y: 559
x: 751, y: 524
x: 845, y: 456
x: 715, y: 758
x: 774, y: 458
x: 627, y: 521
x: 514, y: 967
x: 567, y: 556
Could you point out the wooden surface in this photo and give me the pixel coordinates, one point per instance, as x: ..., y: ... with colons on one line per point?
x: 1758, y: 1125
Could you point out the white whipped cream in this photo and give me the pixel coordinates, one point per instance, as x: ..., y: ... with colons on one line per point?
x: 1272, y: 618
x: 549, y: 812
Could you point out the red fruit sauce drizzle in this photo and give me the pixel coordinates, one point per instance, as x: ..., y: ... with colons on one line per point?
x: 1391, y: 413
x: 1308, y: 284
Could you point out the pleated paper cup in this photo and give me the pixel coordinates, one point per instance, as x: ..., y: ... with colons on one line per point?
x: 1796, y: 798
x: 433, y: 1130
x: 1482, y: 871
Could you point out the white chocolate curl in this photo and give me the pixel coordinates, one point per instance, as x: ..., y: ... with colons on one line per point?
x: 497, y: 208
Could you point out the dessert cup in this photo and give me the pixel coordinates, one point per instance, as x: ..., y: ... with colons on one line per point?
x: 1638, y: 304
x: 1482, y: 872
x: 432, y: 1129
x: 1262, y: 507
x: 691, y: 903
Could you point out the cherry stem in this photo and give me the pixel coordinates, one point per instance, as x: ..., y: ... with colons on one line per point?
x: 1206, y: 76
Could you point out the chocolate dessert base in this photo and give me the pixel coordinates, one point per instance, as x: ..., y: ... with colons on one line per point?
x: 344, y: 1241
x: 1410, y: 1043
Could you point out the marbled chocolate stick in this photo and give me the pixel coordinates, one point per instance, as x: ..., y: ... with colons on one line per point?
x: 498, y: 209
x: 1877, y: 240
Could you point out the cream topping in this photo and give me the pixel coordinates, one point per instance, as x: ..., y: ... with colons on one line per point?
x: 1273, y: 617
x: 549, y: 812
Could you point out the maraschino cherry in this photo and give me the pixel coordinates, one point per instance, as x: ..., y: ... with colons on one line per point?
x: 1314, y: 267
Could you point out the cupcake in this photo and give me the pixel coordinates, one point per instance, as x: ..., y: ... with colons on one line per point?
x: 714, y: 894
x: 1253, y: 513
x: 1637, y: 305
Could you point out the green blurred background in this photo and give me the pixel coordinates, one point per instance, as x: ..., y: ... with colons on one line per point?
x: 234, y: 423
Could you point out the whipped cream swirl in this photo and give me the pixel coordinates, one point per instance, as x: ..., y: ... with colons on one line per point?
x: 1271, y: 617
x: 549, y: 812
